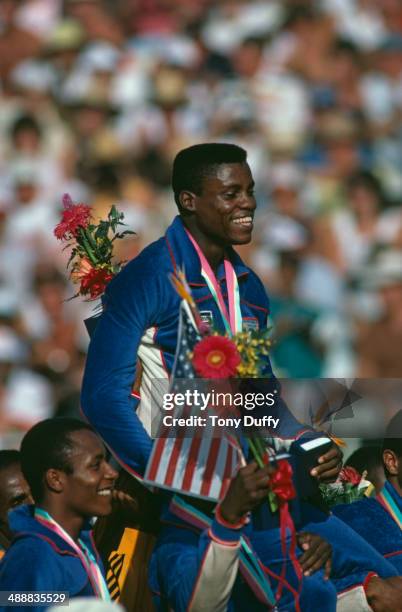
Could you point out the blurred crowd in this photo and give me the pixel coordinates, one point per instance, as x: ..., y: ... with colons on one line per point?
x: 96, y: 98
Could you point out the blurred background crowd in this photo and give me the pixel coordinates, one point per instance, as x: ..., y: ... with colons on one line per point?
x: 97, y: 97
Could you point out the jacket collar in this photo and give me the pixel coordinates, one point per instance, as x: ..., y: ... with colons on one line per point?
x: 394, y: 494
x: 182, y: 253
x: 22, y: 522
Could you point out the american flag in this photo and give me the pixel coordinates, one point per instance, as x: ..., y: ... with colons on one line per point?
x: 194, y: 462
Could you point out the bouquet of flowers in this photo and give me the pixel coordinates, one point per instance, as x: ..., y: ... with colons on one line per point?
x: 349, y: 487
x: 91, y: 259
x: 217, y: 356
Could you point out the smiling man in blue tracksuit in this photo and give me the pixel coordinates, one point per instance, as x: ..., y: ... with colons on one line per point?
x: 65, y: 466
x: 135, y: 339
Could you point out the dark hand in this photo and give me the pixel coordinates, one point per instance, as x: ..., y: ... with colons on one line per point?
x: 125, y: 502
x: 385, y: 595
x: 329, y: 465
x: 317, y: 554
x: 246, y: 491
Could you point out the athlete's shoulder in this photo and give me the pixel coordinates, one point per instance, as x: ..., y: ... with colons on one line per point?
x: 150, y: 266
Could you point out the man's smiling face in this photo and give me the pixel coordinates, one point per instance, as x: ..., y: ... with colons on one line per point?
x: 224, y: 209
x: 88, y: 489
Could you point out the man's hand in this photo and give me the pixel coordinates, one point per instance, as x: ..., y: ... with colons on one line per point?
x: 329, y: 465
x: 317, y: 554
x: 385, y: 595
x: 124, y: 501
x: 246, y: 491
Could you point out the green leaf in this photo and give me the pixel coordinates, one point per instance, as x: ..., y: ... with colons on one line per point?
x: 126, y: 233
x: 273, y: 501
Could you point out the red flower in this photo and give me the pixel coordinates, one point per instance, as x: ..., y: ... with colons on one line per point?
x: 216, y: 357
x: 349, y: 474
x: 74, y: 216
x: 94, y: 282
x: 281, y: 482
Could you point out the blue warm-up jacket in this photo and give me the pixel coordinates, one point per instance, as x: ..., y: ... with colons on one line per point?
x: 40, y: 560
x: 376, y: 525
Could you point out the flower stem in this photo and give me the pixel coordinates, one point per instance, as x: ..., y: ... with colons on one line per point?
x: 87, y: 247
x: 260, y: 446
x: 256, y: 452
x: 91, y: 240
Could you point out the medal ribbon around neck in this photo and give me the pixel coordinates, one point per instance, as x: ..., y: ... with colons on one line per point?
x: 249, y: 563
x: 389, y: 504
x: 86, y: 557
x: 232, y: 319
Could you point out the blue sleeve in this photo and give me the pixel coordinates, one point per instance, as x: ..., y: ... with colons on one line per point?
x: 28, y: 568
x: 131, y: 305
x: 182, y: 566
x: 373, y: 523
x: 352, y: 557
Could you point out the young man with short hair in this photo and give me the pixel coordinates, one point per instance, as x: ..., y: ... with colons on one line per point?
x: 14, y: 491
x: 65, y: 466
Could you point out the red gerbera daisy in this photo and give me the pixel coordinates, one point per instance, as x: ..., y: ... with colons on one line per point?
x: 216, y: 357
x: 74, y: 216
x: 94, y: 282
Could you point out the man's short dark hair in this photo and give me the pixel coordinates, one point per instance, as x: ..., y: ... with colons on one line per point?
x: 365, y: 458
x: 393, y: 435
x: 48, y: 445
x: 8, y: 458
x: 192, y: 165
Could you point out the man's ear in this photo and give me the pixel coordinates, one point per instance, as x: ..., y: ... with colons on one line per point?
x: 187, y: 201
x: 54, y: 480
x: 391, y: 462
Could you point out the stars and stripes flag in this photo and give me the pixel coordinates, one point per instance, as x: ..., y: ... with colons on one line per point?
x: 193, y: 461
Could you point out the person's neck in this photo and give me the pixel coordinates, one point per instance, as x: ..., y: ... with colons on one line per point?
x: 71, y: 523
x: 213, y: 252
